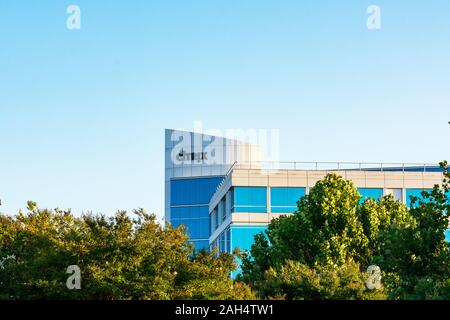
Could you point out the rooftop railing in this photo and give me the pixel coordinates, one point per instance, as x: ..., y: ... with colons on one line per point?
x: 330, y: 166
x: 336, y: 166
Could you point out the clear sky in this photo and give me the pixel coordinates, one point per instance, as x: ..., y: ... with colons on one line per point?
x: 83, y: 112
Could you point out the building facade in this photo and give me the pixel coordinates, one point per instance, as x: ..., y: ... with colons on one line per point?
x: 248, y: 198
x: 224, y: 194
x: 195, y: 164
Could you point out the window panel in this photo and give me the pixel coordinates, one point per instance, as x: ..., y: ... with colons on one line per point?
x: 199, y: 212
x: 214, y: 220
x: 196, y: 228
x: 195, y: 218
x: 414, y: 193
x: 201, y: 244
x: 228, y: 240
x: 243, y: 237
x: 225, y: 208
x: 284, y: 200
x: 192, y: 191
x: 250, y: 199
x: 374, y: 193
x: 222, y: 242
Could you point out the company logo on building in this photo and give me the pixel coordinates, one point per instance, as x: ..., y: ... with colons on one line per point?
x: 192, y: 156
x: 222, y: 147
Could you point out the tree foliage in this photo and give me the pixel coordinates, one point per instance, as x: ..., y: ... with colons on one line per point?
x: 322, y: 251
x: 419, y: 256
x: 336, y: 235
x: 294, y: 281
x: 119, y: 258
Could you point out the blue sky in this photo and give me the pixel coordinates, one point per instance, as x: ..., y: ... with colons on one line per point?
x: 83, y: 112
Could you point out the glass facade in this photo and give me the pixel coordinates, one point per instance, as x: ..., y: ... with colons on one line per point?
x: 281, y: 200
x: 228, y: 240
x: 192, y: 191
x: 189, y: 199
x: 200, y: 244
x: 374, y: 193
x: 195, y: 218
x: 249, y: 199
x: 237, y: 236
x: 223, y: 241
x: 418, y: 193
x: 243, y: 237
x: 284, y: 200
x: 447, y: 235
x: 221, y: 212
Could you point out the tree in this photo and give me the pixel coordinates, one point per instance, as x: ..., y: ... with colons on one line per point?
x: 331, y: 232
x: 417, y: 257
x: 379, y: 218
x: 119, y: 258
x: 295, y: 281
x: 207, y: 277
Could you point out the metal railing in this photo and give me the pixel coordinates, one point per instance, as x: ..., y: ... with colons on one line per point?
x: 335, y: 166
x: 329, y: 166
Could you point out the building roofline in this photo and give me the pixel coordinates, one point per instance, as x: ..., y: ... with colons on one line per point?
x: 319, y: 166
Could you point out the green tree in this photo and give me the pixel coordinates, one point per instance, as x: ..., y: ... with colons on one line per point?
x: 379, y: 218
x: 119, y: 258
x: 295, y: 281
x: 417, y: 257
x: 331, y: 230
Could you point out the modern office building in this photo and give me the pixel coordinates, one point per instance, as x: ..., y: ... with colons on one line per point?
x: 249, y: 197
x: 224, y: 204
x: 195, y: 164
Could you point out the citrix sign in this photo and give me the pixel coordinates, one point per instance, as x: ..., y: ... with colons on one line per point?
x: 191, y: 156
x: 193, y: 148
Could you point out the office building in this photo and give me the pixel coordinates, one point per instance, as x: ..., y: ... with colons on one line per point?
x: 225, y: 202
x: 248, y: 198
x: 195, y: 164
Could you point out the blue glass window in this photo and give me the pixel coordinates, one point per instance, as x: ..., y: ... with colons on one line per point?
x: 199, y: 212
x: 250, y: 199
x: 447, y: 235
x: 222, y: 242
x: 374, y: 193
x: 414, y: 193
x: 243, y: 237
x: 184, y: 195
x: 199, y: 245
x: 196, y: 228
x: 192, y: 191
x: 228, y: 240
x: 284, y: 200
x: 214, y: 220
x: 195, y: 218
